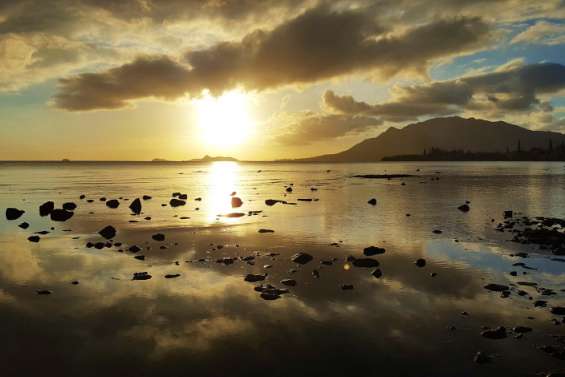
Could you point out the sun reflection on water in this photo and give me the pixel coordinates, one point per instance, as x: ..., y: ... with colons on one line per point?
x: 223, y: 179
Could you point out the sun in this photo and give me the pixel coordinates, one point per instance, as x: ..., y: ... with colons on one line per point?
x: 226, y: 120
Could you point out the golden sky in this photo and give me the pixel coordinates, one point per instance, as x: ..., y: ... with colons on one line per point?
x: 144, y: 79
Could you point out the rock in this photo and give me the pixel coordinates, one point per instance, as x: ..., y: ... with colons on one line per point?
x: 75, y: 282
x: 176, y: 202
x: 108, y: 232
x: 558, y: 310
x: 140, y: 257
x: 420, y: 262
x: 373, y: 250
x: 61, y: 215
x: 225, y: 260
x: 134, y: 249
x: 498, y: 333
x: 82, y: 196
x: 236, y: 202
x: 183, y: 196
x: 252, y: 278
x: 289, y: 282
x: 146, y: 197
x: 496, y: 287
x: 272, y: 202
x: 46, y: 208
x: 289, y: 189
x: 33, y: 238
x: 521, y: 329
x: 508, y: 214
x: 262, y: 230
x: 377, y: 273
x: 24, y: 225
x: 135, y: 206
x: 43, y: 292
x: 141, y: 276
x: 464, y: 208
x: 235, y: 214
x: 158, y: 237
x: 113, y: 203
x: 437, y: 231
x: 540, y: 304
x: 347, y: 287
x: 481, y: 358
x: 13, y: 213
x: 365, y: 262
x: 315, y: 274
x: 171, y: 276
x: 69, y: 206
x: 372, y: 202
x: 269, y: 296
x: 301, y: 258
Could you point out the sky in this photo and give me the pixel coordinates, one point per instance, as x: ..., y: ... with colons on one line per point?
x: 261, y: 80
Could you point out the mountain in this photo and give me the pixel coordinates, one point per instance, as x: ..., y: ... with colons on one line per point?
x: 450, y: 133
x: 213, y: 159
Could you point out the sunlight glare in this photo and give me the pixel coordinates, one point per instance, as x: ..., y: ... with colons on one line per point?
x: 225, y: 120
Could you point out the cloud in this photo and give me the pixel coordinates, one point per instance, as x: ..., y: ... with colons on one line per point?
x: 543, y: 32
x: 311, y: 128
x: 513, y: 88
x: 319, y: 44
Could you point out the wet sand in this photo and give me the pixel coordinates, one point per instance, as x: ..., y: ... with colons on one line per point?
x: 209, y: 321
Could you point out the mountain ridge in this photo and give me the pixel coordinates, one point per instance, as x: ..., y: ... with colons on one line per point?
x: 448, y: 133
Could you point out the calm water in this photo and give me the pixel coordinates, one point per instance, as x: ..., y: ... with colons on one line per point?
x: 210, y: 322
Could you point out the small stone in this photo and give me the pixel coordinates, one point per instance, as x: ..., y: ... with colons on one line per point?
x: 13, y: 213
x: 263, y: 230
x: 301, y: 258
x: 69, y: 206
x: 521, y: 329
x: 372, y: 202
x: 46, y: 208
x: 135, y: 206
x: 236, y: 202
x: 114, y: 203
x: 254, y: 278
x: 141, y: 276
x: 108, y: 232
x: 420, y: 262
x: 497, y: 333
x: 146, y: 197
x: 464, y: 208
x: 373, y: 250
x: 24, y: 225
x: 347, y: 287
x: 43, y: 292
x: 366, y: 262
x: 134, y: 249
x: 496, y: 287
x: 158, y: 237
x: 171, y: 276
x: 377, y: 273
x: 176, y: 202
x: 288, y: 282
x: 140, y: 257
x: 61, y: 215
x: 558, y: 310
x: 33, y: 238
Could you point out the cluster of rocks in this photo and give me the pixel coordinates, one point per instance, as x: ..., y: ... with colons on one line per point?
x: 547, y: 233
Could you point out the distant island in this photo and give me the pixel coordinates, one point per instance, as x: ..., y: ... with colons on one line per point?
x: 213, y: 159
x: 453, y: 138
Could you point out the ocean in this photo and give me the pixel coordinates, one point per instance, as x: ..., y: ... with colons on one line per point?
x: 69, y: 309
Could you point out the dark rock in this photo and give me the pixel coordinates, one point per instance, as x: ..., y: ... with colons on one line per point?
x: 141, y: 276
x: 158, y: 237
x: 235, y: 214
x: 498, y: 333
x: 347, y: 287
x: 114, y: 203
x: 252, y: 278
x: 140, y: 257
x: 301, y: 258
x: 236, y: 202
x: 464, y: 208
x: 316, y: 274
x: 365, y: 262
x: 420, y: 262
x: 75, y: 282
x: 13, y: 213
x: 183, y: 196
x: 269, y: 296
x: 558, y: 310
x: 176, y: 202
x: 289, y: 282
x: 43, y: 292
x: 540, y: 304
x: 372, y: 202
x: 508, y: 214
x: 496, y: 287
x: 171, y: 276
x: 373, y: 250
x: 263, y: 230
x: 134, y: 249
x: 135, y: 206
x: 108, y: 232
x: 82, y: 196
x: 61, y: 215
x: 69, y: 206
x: 46, y: 208
x: 481, y: 358
x: 146, y: 197
x: 272, y: 202
x: 24, y: 225
x: 377, y: 273
x: 437, y: 231
x: 289, y: 189
x: 521, y: 329
x: 33, y: 238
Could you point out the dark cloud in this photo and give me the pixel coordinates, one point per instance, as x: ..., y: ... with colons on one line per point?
x: 314, y: 127
x: 513, y: 89
x: 147, y: 76
x: 319, y: 44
